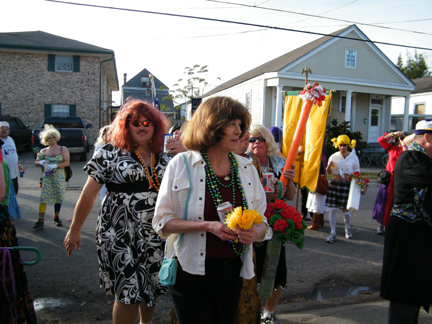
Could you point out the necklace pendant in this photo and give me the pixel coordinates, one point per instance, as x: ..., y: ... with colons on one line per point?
x: 150, y: 184
x: 227, y: 178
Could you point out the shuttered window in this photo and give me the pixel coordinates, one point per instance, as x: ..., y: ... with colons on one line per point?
x: 59, y: 110
x: 63, y: 63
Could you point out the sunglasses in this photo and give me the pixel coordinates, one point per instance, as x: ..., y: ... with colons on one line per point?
x: 343, y: 144
x: 146, y: 123
x: 51, y: 137
x: 253, y: 139
x: 4, y: 128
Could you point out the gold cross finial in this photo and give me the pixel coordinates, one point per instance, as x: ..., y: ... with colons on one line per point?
x: 306, y: 71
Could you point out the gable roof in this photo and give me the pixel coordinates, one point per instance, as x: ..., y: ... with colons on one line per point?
x: 423, y: 84
x: 138, y: 93
x: 277, y: 63
x: 136, y: 80
x: 39, y: 40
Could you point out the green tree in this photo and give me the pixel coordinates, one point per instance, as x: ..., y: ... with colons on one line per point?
x: 415, y: 67
x: 193, y: 86
x: 334, y: 129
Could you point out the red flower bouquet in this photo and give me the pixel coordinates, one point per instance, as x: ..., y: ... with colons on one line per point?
x: 286, y: 222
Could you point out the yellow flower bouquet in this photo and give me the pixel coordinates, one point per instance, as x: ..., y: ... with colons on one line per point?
x: 243, y: 218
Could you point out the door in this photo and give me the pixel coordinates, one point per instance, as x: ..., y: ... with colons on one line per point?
x: 375, y: 123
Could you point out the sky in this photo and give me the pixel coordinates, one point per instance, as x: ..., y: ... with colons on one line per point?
x: 165, y: 44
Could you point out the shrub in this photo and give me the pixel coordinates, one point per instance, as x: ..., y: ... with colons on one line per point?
x: 334, y: 129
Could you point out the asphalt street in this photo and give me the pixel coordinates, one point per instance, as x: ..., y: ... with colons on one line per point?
x: 322, y: 278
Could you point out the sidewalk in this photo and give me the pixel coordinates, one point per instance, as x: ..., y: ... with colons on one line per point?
x: 374, y: 312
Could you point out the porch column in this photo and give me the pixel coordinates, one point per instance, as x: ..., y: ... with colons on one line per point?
x: 348, y: 106
x: 406, y: 114
x: 279, y: 101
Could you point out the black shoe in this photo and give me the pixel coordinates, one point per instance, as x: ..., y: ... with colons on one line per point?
x: 57, y: 221
x: 38, y: 225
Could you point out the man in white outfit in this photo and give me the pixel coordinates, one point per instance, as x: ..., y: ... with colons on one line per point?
x: 341, y: 165
x: 10, y: 153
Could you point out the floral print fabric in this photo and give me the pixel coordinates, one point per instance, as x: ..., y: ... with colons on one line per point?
x: 130, y: 252
x: 53, y: 185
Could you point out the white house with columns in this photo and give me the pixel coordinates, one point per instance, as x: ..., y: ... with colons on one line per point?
x: 364, y: 78
x: 405, y: 113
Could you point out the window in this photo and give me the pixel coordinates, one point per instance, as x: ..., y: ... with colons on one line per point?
x: 59, y: 110
x: 343, y: 104
x: 396, y: 123
x: 63, y: 63
x: 248, y: 100
x: 145, y: 82
x: 350, y: 58
x: 374, y: 121
x: 376, y: 102
x: 13, y: 124
x: 419, y: 109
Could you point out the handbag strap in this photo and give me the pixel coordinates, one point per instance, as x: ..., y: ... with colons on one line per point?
x: 187, y: 202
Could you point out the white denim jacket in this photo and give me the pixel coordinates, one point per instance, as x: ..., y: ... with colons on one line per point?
x: 171, y: 204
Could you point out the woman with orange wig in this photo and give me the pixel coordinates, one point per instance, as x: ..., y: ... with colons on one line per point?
x: 129, y: 251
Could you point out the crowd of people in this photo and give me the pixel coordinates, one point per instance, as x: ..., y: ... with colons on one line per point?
x: 157, y: 195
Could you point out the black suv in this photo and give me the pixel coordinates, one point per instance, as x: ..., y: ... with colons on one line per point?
x: 20, y: 133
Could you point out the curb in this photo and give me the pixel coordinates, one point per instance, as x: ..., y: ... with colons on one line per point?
x: 289, y: 308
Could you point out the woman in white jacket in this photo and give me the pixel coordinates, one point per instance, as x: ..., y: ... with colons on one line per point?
x: 211, y: 263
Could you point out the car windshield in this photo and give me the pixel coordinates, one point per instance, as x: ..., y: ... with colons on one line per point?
x: 67, y: 125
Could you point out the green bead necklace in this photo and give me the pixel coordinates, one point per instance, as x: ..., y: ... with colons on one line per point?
x: 213, y: 183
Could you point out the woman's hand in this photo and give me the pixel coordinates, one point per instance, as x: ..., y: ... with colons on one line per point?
x: 275, y: 195
x: 50, y: 167
x: 329, y: 167
x: 72, y: 239
x: 289, y: 173
x: 255, y: 233
x: 222, y: 231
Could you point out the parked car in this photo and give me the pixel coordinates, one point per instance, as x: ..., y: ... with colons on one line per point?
x: 72, y: 135
x: 20, y: 133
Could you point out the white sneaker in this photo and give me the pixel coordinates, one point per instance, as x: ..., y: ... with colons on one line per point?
x: 348, y: 233
x: 270, y: 320
x: 380, y: 230
x: 331, y: 238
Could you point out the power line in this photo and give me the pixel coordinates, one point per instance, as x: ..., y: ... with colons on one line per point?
x: 239, y: 23
x: 316, y: 16
x: 325, y: 12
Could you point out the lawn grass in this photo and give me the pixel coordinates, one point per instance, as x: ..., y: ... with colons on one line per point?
x: 371, y: 175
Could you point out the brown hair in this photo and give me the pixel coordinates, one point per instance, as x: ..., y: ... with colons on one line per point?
x: 132, y: 109
x: 205, y: 127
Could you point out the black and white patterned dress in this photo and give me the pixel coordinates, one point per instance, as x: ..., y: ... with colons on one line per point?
x: 130, y: 252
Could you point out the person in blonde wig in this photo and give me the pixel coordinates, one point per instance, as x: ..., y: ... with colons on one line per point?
x: 340, y: 165
x: 263, y: 145
x: 53, y: 159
